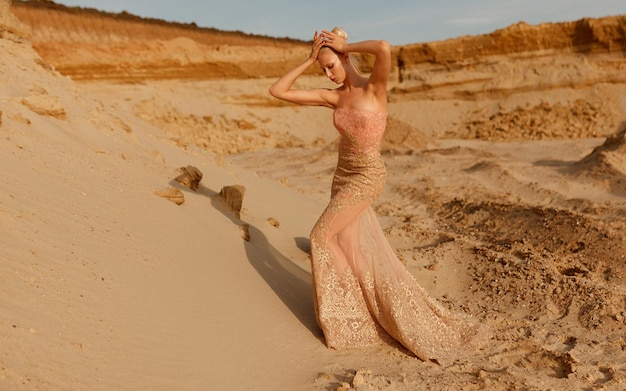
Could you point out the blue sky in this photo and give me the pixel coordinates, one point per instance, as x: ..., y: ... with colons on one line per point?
x: 397, y: 21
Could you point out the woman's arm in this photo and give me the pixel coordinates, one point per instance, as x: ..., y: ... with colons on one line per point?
x: 380, y: 49
x: 281, y: 89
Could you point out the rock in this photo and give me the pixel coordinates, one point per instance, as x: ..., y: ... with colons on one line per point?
x: 324, y: 376
x: 45, y: 105
x: 360, y: 378
x: 190, y: 177
x: 245, y: 232
x: 171, y: 194
x: 273, y: 222
x: 233, y: 195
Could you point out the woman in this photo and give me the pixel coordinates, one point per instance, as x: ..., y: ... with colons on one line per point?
x: 363, y: 294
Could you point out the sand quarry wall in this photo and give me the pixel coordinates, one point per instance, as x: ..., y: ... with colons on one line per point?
x: 523, y: 82
x: 86, y: 43
x: 89, y: 44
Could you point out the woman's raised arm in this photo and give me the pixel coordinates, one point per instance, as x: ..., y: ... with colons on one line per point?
x: 380, y: 49
x: 282, y: 88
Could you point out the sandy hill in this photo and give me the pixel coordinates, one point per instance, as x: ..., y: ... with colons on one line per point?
x: 505, y: 199
x: 104, y: 282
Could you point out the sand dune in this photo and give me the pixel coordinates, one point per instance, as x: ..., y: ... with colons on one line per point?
x: 505, y: 199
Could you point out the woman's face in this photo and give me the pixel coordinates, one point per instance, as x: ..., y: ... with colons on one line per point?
x: 331, y: 65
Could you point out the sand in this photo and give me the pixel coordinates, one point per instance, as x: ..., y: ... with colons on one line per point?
x: 509, y: 207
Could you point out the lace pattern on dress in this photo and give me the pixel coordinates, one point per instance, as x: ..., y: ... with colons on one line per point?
x: 363, y: 294
x: 341, y: 308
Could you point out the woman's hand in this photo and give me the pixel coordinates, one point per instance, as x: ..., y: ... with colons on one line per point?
x: 283, y: 87
x: 318, y: 42
x: 334, y: 41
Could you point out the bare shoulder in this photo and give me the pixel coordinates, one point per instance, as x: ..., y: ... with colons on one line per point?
x: 331, y: 96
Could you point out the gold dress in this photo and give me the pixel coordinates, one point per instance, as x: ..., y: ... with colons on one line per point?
x: 363, y: 293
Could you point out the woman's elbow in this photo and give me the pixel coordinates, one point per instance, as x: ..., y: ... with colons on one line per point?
x: 271, y: 91
x: 384, y: 47
x: 275, y: 92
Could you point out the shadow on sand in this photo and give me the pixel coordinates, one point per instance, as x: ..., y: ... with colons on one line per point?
x: 291, y: 283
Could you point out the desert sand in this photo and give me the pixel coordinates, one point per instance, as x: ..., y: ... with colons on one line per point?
x: 506, y: 199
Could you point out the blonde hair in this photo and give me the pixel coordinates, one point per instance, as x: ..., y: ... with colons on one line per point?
x: 340, y: 32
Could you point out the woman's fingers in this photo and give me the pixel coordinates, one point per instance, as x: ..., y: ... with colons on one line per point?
x: 318, y: 42
x: 333, y: 40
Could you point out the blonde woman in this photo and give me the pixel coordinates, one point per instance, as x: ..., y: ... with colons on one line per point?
x: 363, y: 294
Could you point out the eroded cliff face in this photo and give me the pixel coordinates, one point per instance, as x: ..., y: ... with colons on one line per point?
x: 89, y: 44
x: 583, y: 36
x: 523, y: 82
x: 519, y: 57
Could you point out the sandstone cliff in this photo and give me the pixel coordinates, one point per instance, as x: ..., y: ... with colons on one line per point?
x: 90, y: 44
x: 548, y: 81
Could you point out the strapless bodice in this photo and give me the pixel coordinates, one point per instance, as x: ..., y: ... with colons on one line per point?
x: 360, y: 168
x: 361, y: 130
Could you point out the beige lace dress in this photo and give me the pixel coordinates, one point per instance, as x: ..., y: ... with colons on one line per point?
x: 363, y: 294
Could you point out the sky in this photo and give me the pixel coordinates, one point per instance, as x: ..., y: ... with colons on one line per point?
x: 399, y: 22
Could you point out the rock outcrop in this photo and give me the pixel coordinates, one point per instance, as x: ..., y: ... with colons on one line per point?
x: 233, y: 197
x: 190, y: 177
